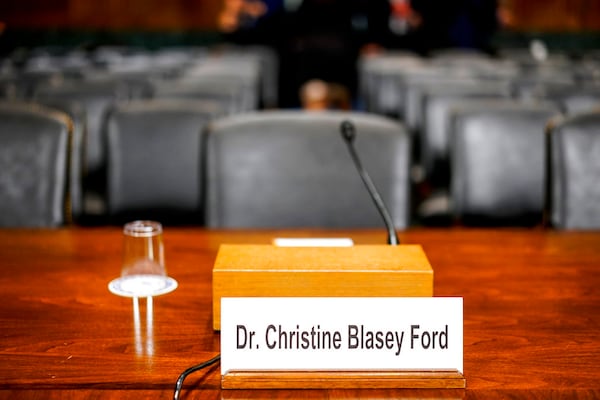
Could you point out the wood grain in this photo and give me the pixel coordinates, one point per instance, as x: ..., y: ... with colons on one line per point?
x: 343, y: 380
x: 531, y: 314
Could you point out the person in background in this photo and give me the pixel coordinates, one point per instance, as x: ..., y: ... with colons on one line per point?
x: 319, y: 44
x: 317, y: 95
x: 319, y: 40
x: 241, y: 15
x: 423, y: 26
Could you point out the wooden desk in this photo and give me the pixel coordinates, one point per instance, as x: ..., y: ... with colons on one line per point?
x: 531, y: 314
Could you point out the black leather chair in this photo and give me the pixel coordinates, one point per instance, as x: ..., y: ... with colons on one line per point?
x: 76, y: 112
x: 292, y: 169
x: 437, y: 104
x: 575, y: 172
x: 576, y: 99
x: 34, y: 165
x: 96, y: 97
x: 381, y: 79
x: 8, y: 88
x: 418, y: 83
x: 498, y: 163
x: 154, y: 163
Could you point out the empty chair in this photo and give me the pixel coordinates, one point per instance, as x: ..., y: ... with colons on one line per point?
x: 575, y: 172
x: 76, y: 112
x: 226, y: 92
x: 25, y: 82
x: 9, y: 88
x: 498, y: 163
x: 459, y: 56
x: 293, y: 169
x: 576, y: 99
x: 540, y: 83
x: 381, y: 80
x: 96, y: 96
x: 34, y: 156
x: 417, y: 83
x: 154, y: 164
x: 437, y: 103
x: 259, y: 71
x: 230, y: 72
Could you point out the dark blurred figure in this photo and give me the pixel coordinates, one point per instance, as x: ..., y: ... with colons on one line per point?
x: 320, y: 44
x: 475, y: 23
x: 431, y: 25
x: 240, y: 17
x: 320, y: 40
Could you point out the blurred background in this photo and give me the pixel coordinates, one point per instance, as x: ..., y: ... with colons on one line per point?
x: 406, y: 59
x: 571, y: 24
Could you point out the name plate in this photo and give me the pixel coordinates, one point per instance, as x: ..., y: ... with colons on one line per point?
x: 342, y: 334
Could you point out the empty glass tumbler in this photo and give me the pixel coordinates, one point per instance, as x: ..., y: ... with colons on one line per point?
x: 143, y: 252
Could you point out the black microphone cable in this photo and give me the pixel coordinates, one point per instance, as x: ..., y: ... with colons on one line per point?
x: 184, y: 374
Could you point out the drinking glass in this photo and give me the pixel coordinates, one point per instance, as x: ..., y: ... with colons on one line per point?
x: 143, y: 272
x: 143, y: 252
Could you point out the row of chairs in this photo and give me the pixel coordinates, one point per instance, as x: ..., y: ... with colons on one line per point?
x: 393, y: 82
x: 508, y: 165
x: 279, y: 168
x: 423, y: 91
x: 86, y: 85
x: 291, y: 168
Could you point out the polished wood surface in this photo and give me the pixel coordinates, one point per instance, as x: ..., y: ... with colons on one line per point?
x: 531, y: 314
x: 432, y: 379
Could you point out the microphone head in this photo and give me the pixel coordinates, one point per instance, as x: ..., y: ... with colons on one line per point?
x: 347, y: 130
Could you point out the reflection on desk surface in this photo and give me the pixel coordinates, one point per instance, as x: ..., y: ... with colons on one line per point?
x: 531, y: 306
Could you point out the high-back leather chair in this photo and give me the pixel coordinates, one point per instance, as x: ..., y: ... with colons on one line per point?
x: 381, y: 79
x: 95, y: 97
x: 575, y: 100
x: 154, y: 163
x: 438, y: 101
x: 34, y: 165
x: 228, y: 91
x: 498, y: 163
x: 575, y: 172
x: 76, y: 112
x: 293, y: 169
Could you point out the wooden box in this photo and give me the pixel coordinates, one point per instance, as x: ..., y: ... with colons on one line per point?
x: 356, y: 271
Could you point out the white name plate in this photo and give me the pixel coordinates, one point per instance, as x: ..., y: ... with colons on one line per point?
x: 346, y: 334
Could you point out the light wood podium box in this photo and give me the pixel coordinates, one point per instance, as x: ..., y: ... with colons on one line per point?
x: 356, y: 271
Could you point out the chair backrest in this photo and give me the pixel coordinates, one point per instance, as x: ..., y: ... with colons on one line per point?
x: 437, y: 103
x: 498, y: 160
x: 96, y: 97
x: 154, y: 163
x: 292, y: 169
x: 227, y: 91
x: 575, y: 172
x: 577, y: 100
x: 76, y: 112
x: 34, y: 165
x: 381, y: 77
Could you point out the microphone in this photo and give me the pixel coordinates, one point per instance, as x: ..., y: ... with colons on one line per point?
x: 349, y: 133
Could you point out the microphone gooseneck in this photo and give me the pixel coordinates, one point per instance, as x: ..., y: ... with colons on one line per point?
x: 349, y: 134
